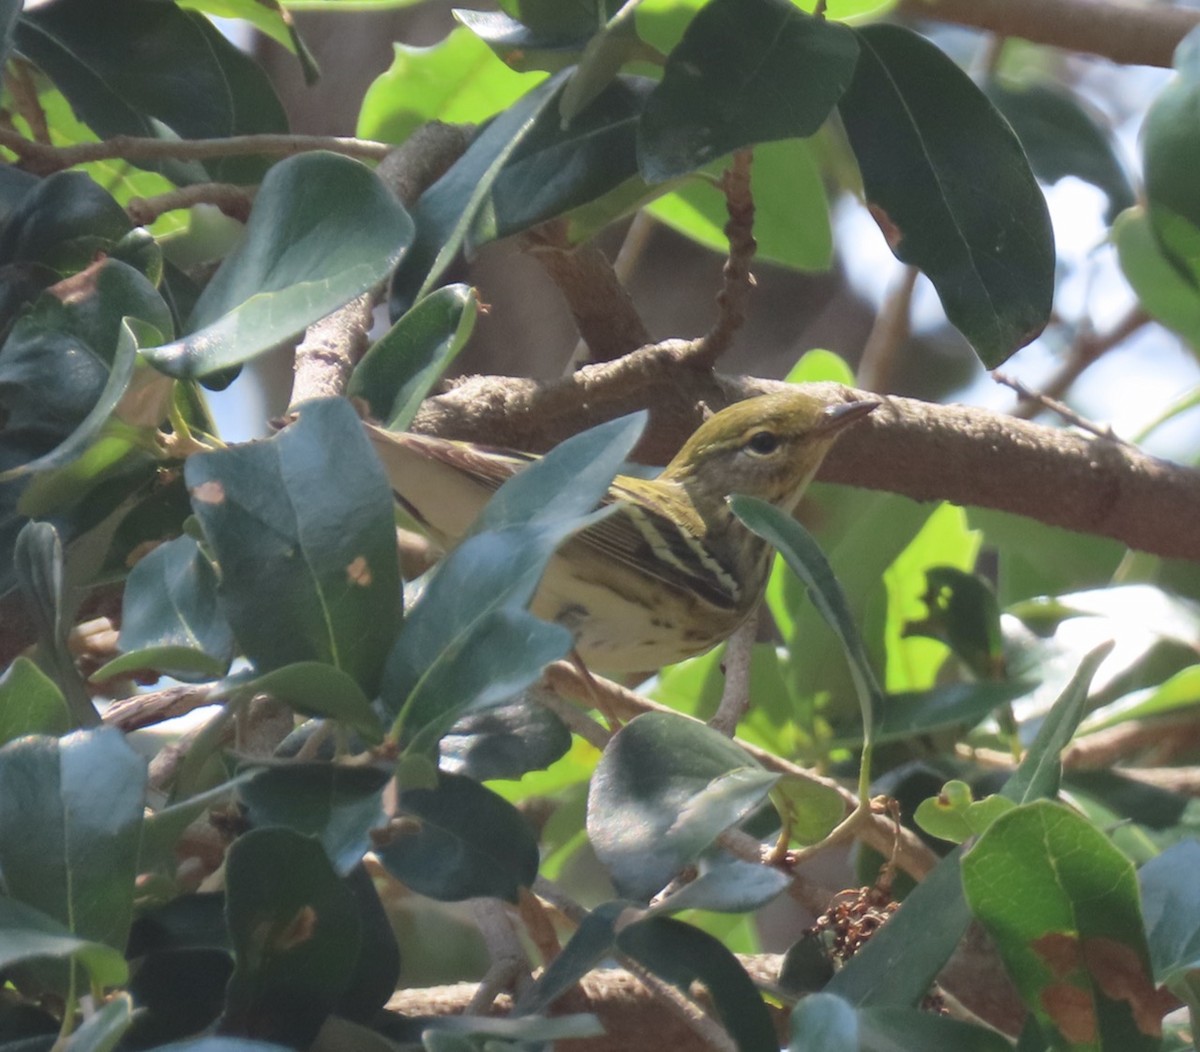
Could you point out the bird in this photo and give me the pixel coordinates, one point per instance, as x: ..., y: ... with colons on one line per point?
x: 672, y: 571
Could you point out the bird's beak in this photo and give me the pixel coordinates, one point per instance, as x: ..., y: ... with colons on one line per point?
x: 836, y: 417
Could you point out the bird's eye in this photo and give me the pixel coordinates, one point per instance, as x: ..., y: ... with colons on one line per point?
x: 763, y: 442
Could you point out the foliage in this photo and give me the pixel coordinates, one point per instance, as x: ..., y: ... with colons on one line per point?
x: 225, y: 896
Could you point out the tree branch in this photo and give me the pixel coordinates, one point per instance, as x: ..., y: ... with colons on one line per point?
x: 962, y: 454
x: 1132, y: 34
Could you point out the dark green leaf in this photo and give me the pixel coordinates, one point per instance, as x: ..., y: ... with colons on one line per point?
x: 497, y: 656
x: 224, y: 1044
x: 30, y: 703
x: 506, y: 741
x: 746, y: 71
x: 446, y: 210
x: 1061, y: 902
x: 403, y: 365
x: 296, y: 935
x: 499, y: 567
x: 461, y: 841
x: 38, y: 568
x: 963, y: 614
x: 1040, y: 771
x: 665, y: 788
x: 188, y: 81
x: 269, y: 17
x: 178, y: 993
x: 290, y: 270
x: 302, y: 528
x: 823, y: 1021
x: 726, y: 886
x: 1062, y: 138
x: 806, y: 560
x: 27, y: 934
x: 337, y: 805
x: 606, y: 52
x: 377, y: 971
x: 959, y: 704
x: 1148, y: 805
x: 171, y: 601
x: 891, y: 1029
x: 949, y: 185
x: 556, y: 168
x: 70, y: 821
x: 315, y: 688
x: 550, y: 46
x: 9, y: 10
x: 681, y: 955
x: 591, y: 944
x: 103, y: 1030
x: 61, y: 223
x: 1171, y: 905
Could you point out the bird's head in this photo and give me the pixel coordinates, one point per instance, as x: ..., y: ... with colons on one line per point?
x: 767, y: 447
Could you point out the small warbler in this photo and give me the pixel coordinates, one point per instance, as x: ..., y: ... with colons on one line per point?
x: 673, y: 571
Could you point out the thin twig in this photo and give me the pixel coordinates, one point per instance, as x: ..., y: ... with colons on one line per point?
x: 737, y: 281
x: 1028, y: 395
x: 735, y: 698
x: 1087, y: 349
x: 510, y: 966
x: 233, y: 201
x: 146, y: 710
x: 888, y: 335
x: 42, y: 159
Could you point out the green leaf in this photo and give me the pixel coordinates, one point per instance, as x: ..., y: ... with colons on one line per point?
x: 558, y: 167
x: 1169, y: 147
x: 61, y: 222
x: 314, y: 688
x: 606, y: 52
x: 963, y: 613
x: 949, y: 185
x: 889, y: 1029
x: 1040, y: 771
x: 288, y: 271
x: 296, y: 936
x: 302, y: 529
x: 1062, y: 138
x: 809, y: 809
x: 171, y: 605
x: 458, y: 80
x: 445, y: 212
x: 404, y: 364
x: 40, y: 574
x: 500, y: 654
x: 269, y: 17
x: 1061, y: 903
x: 189, y: 81
x: 460, y: 841
x: 791, y: 212
x: 957, y: 705
x: 955, y: 816
x: 1171, y: 907
x: 746, y: 71
x: 823, y: 1021
x: 808, y: 562
x: 548, y: 44
x: 337, y: 805
x: 27, y: 934
x: 505, y: 741
x: 70, y: 821
x: 681, y: 955
x: 104, y: 1029
x: 901, y: 959
x: 30, y: 703
x: 665, y: 788
x: 1165, y: 293
x: 726, y: 886
x: 500, y: 565
x: 590, y: 944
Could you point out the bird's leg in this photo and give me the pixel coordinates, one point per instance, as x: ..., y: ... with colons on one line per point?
x: 595, y: 693
x: 735, y: 699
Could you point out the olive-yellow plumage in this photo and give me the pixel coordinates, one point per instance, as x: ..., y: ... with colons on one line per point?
x: 673, y: 571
